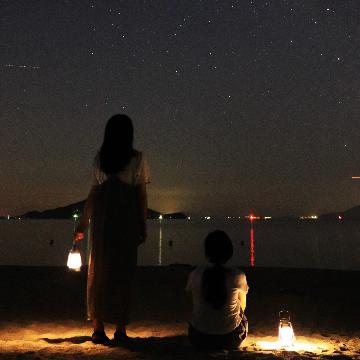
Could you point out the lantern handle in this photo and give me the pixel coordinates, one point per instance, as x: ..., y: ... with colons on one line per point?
x: 284, y: 314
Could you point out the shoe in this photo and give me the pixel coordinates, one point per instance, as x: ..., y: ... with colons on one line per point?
x: 99, y: 337
x: 120, y: 337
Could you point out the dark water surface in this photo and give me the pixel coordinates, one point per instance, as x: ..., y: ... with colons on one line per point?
x: 298, y: 244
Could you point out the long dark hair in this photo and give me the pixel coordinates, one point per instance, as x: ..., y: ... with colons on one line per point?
x: 218, y: 250
x: 117, y: 148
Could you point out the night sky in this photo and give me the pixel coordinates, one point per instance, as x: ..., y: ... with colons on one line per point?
x: 238, y: 105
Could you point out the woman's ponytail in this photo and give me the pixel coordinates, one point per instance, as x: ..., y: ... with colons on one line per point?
x: 214, y: 286
x: 218, y: 250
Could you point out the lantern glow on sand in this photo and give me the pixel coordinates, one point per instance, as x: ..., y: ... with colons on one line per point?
x: 74, y: 259
x: 305, y: 344
x: 286, y: 339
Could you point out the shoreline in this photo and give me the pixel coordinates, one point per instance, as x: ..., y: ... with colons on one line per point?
x: 184, y: 265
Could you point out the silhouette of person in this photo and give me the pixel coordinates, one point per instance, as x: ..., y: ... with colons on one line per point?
x: 117, y: 210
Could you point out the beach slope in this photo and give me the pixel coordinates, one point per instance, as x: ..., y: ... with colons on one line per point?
x: 42, y: 315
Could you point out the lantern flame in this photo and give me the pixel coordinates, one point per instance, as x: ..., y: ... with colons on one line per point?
x: 286, y: 335
x: 74, y: 260
x: 286, y: 331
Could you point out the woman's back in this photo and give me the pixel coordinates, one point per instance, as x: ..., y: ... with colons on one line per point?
x: 135, y: 173
x: 206, y: 317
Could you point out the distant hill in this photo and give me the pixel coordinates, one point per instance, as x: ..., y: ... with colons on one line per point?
x: 67, y: 212
x: 350, y: 214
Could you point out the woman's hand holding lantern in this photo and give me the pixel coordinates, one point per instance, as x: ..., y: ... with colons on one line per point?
x: 78, y: 236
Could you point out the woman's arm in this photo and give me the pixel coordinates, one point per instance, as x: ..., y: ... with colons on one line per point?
x: 85, y: 218
x: 242, y: 298
x: 142, y: 203
x: 243, y: 290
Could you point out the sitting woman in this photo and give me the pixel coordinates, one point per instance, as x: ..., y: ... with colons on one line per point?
x: 219, y: 298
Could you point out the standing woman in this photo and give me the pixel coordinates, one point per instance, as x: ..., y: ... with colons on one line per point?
x: 117, y: 209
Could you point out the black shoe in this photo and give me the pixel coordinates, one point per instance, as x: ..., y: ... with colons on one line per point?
x: 99, y: 337
x: 120, y: 337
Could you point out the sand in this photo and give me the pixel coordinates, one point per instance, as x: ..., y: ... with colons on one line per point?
x: 42, y: 315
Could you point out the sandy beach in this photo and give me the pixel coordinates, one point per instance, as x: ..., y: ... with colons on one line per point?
x: 42, y: 315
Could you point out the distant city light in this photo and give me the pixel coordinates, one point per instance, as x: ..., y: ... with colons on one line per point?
x: 75, y: 216
x: 252, y: 217
x: 189, y: 217
x: 267, y: 217
x: 8, y: 217
x: 340, y: 217
x: 207, y: 217
x: 311, y: 217
x: 160, y: 217
x: 355, y: 177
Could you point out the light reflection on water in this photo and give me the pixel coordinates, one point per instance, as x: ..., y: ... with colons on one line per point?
x: 173, y: 248
x: 160, y: 243
x: 275, y: 244
x: 278, y: 244
x: 252, y: 245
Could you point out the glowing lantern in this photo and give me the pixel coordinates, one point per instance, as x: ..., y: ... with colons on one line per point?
x: 74, y: 259
x: 286, y: 332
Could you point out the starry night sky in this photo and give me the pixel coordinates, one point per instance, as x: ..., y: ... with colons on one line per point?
x: 238, y: 105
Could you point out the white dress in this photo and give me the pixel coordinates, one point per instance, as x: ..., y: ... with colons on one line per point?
x: 116, y: 229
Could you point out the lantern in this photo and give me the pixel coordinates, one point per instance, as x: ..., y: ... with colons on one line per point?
x: 286, y: 332
x: 74, y: 259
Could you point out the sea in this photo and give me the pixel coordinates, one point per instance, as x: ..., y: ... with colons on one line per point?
x: 310, y: 244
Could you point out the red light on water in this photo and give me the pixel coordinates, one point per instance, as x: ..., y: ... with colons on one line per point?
x: 252, y: 246
x: 251, y: 217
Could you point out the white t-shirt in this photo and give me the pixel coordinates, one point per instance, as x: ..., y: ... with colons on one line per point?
x: 205, y: 317
x: 136, y: 172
